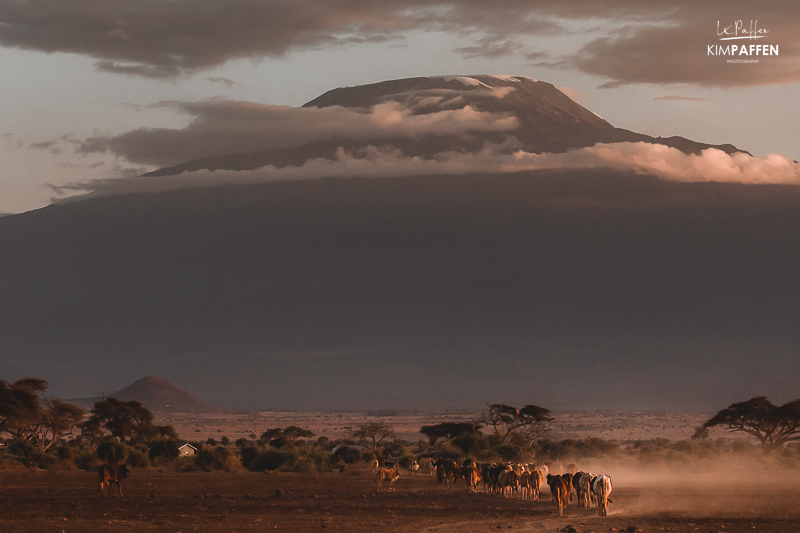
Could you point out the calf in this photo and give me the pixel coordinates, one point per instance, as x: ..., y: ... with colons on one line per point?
x: 387, y: 474
x: 110, y: 475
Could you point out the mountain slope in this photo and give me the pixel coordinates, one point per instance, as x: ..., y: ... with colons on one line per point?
x: 548, y: 121
x: 580, y: 289
x: 159, y: 395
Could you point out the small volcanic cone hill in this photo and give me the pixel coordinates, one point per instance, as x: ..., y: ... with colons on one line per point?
x: 159, y: 395
x: 547, y: 121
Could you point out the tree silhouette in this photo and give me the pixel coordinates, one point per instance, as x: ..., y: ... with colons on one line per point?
x: 27, y: 415
x: 19, y: 401
x: 294, y: 432
x: 772, y: 425
x: 530, y: 422
x: 123, y: 421
x: 448, y: 431
x: 54, y: 421
x: 278, y: 437
x: 374, y: 432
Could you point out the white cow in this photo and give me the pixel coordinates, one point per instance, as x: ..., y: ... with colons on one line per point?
x: 586, y: 494
x: 601, y: 487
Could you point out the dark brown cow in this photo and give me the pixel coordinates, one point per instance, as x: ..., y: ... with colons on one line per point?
x: 568, y: 485
x: 111, y: 475
x: 559, y: 491
x: 447, y: 471
x: 576, y: 484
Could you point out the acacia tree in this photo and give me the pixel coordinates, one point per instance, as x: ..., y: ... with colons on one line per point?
x: 771, y: 424
x: 27, y: 415
x: 123, y: 421
x: 374, y: 432
x: 20, y: 402
x: 506, y: 421
x: 56, y: 420
x: 289, y: 433
x: 448, y: 431
x: 295, y: 432
x: 271, y: 434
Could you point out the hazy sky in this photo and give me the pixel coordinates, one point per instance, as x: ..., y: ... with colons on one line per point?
x: 80, y: 70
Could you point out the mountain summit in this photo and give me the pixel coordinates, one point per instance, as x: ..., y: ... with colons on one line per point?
x: 506, y: 113
x: 159, y: 395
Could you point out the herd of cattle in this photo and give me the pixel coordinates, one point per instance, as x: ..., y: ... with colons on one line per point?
x: 513, y: 480
x: 505, y: 479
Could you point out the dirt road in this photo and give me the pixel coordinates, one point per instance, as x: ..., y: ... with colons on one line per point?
x: 38, y: 501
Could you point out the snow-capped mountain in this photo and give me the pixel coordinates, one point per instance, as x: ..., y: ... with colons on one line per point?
x: 507, y: 113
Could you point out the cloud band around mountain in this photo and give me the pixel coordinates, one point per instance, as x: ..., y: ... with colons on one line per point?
x: 664, y: 162
x: 221, y: 127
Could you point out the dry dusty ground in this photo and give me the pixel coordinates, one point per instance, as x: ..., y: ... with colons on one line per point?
x: 223, y: 502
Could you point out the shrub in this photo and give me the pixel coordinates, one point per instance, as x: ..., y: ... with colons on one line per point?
x: 349, y: 455
x: 447, y: 454
x: 219, y: 458
x: 248, y: 453
x: 167, y: 449
x: 112, y: 451
x: 473, y: 443
x: 508, y: 452
x: 85, y: 459
x: 281, y: 442
x: 272, y: 459
x: 138, y: 457
x: 65, y: 453
x: 21, y: 448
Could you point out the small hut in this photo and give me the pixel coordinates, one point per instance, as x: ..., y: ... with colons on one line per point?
x: 186, y: 449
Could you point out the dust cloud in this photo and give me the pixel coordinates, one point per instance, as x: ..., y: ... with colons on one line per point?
x: 723, y: 487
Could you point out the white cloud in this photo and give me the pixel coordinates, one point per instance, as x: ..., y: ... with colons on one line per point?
x: 667, y: 163
x: 221, y: 127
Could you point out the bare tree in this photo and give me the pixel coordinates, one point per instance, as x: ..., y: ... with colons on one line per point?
x: 772, y: 425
